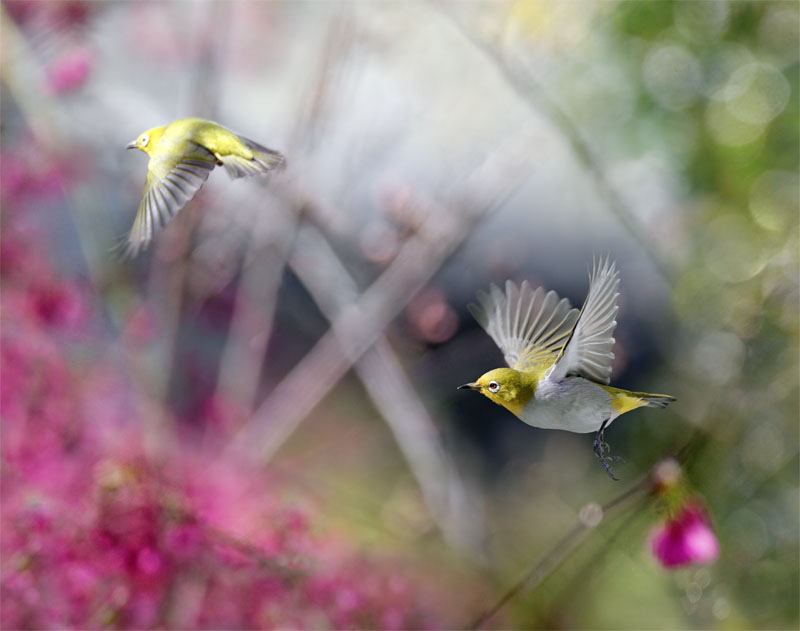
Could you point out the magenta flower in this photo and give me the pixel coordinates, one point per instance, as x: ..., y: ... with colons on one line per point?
x: 94, y: 533
x: 59, y: 305
x: 70, y: 70
x: 685, y: 538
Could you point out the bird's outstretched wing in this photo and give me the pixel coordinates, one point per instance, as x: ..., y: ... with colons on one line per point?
x: 530, y: 327
x: 588, y: 352
x: 168, y: 189
x: 263, y: 161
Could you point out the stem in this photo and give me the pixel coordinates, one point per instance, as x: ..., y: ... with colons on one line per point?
x: 565, y: 546
x: 533, y: 94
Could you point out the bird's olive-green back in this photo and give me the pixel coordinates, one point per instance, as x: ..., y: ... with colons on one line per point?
x: 214, y: 137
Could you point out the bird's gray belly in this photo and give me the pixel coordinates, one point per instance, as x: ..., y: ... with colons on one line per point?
x: 573, y: 404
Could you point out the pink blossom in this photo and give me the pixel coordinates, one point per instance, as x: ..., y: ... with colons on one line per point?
x: 141, y: 327
x: 93, y: 533
x: 65, y: 13
x: 432, y: 317
x: 58, y: 304
x: 685, y: 538
x: 24, y: 176
x: 69, y: 71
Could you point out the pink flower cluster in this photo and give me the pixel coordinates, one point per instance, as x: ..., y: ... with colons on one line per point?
x: 687, y: 536
x: 96, y: 533
x: 64, y: 22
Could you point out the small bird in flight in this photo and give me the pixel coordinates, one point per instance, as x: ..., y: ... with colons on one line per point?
x: 182, y: 154
x: 559, y: 359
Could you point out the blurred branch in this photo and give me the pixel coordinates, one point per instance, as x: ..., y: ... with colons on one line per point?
x: 254, y: 310
x: 588, y: 571
x: 558, y: 553
x: 23, y: 75
x: 253, y: 314
x: 360, y: 324
x: 206, y: 85
x: 382, y: 374
x: 24, y: 78
x: 308, y: 127
x: 168, y: 269
x: 530, y: 91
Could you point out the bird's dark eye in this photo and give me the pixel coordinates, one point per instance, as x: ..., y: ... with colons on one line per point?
x: 494, y: 386
x: 144, y: 139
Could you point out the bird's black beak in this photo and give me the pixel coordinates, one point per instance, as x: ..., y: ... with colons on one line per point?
x: 468, y: 386
x: 131, y: 145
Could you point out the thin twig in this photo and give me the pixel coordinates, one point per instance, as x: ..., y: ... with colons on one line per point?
x: 565, y: 546
x: 585, y: 575
x: 535, y: 96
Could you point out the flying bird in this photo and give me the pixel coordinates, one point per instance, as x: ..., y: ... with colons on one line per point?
x: 559, y: 358
x: 182, y: 154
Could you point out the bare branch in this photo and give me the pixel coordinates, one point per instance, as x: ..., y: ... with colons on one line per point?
x: 251, y: 323
x: 360, y: 325
x: 449, y: 501
x: 558, y: 553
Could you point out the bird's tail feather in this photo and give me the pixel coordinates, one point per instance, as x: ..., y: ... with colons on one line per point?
x: 269, y: 158
x: 263, y: 161
x: 654, y: 400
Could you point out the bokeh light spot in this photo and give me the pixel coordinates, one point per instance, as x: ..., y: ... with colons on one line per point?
x: 721, y: 608
x: 775, y: 200
x: 672, y: 75
x: 727, y: 129
x: 756, y: 93
x: 779, y: 32
x: 718, y: 357
x: 432, y: 317
x: 591, y: 514
x: 764, y: 449
x: 701, y: 21
x: 737, y: 250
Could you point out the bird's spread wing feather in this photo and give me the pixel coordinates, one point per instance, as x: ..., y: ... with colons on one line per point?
x: 530, y: 327
x: 263, y: 160
x: 167, y: 190
x: 588, y: 352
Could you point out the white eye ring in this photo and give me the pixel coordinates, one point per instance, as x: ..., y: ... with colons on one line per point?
x: 494, y: 386
x: 144, y: 139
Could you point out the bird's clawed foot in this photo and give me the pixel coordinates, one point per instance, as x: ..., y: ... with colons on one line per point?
x: 601, y: 449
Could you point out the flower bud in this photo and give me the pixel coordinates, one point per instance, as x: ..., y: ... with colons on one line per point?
x: 685, y: 538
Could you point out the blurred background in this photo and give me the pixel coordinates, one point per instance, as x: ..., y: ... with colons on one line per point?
x: 255, y: 423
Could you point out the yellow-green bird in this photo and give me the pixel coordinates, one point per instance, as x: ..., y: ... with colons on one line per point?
x: 559, y: 359
x: 182, y: 154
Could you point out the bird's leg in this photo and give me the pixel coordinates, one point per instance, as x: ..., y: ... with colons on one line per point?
x: 601, y: 449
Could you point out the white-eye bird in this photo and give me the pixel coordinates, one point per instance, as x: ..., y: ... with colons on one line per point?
x: 559, y: 358
x: 182, y: 154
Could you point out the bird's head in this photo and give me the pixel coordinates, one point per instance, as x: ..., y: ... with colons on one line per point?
x: 147, y: 140
x: 505, y: 386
